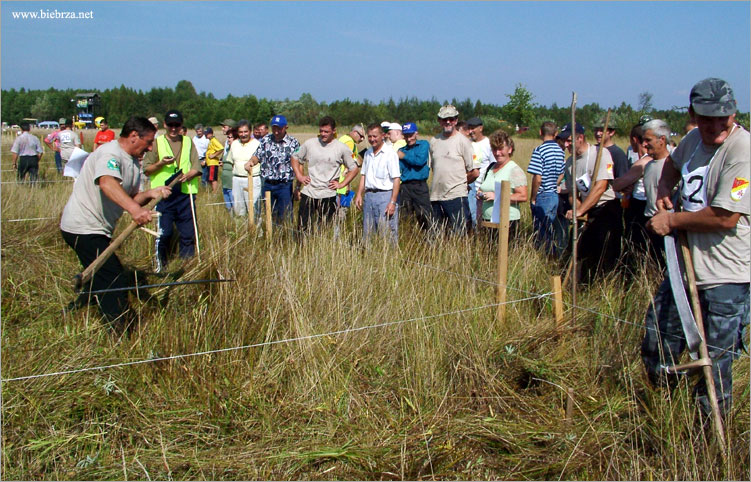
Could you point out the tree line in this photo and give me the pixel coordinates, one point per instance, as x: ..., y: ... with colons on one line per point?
x: 117, y: 104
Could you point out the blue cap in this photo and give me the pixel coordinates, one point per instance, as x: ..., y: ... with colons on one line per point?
x: 279, y: 120
x: 409, y: 128
x: 566, y: 131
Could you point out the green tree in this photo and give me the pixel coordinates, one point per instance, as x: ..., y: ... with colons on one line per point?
x: 520, y: 109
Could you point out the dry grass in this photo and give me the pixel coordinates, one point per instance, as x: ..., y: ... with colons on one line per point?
x: 435, y: 397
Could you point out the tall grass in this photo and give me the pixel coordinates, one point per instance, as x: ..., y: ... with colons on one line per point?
x: 444, y: 396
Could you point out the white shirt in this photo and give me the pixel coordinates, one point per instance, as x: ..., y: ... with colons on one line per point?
x: 202, y: 144
x: 380, y: 169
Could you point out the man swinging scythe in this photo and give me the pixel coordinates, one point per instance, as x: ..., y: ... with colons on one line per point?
x: 712, y: 163
x: 108, y: 185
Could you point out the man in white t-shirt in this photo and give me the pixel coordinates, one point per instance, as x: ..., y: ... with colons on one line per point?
x: 482, y: 158
x: 109, y: 184
x: 712, y: 163
x: 241, y: 151
x: 202, y: 144
x: 69, y: 140
x: 378, y: 191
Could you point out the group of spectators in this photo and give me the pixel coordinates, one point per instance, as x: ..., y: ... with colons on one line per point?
x: 626, y: 201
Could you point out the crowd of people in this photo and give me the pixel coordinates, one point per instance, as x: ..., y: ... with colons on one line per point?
x: 626, y: 201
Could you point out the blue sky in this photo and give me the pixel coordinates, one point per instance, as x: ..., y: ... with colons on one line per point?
x: 608, y: 52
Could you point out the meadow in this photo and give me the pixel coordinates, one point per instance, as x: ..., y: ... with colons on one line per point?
x: 341, y: 363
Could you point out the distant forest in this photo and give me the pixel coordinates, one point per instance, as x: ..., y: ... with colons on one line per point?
x: 520, y: 111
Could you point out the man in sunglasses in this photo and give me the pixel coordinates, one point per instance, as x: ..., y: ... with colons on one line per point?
x: 453, y: 169
x: 174, y: 155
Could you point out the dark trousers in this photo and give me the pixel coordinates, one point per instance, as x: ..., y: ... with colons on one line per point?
x: 28, y: 165
x: 725, y: 310
x: 281, y: 198
x: 315, y: 210
x: 175, y: 210
x: 600, y: 241
x: 109, y: 275
x: 453, y: 214
x: 414, y: 200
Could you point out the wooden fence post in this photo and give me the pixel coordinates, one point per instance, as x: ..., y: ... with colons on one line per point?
x: 267, y: 199
x: 503, y: 229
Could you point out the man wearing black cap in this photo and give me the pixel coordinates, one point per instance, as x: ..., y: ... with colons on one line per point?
x: 600, y: 240
x: 174, y: 155
x: 712, y: 164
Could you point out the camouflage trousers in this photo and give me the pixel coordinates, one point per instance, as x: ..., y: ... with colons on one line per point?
x: 725, y: 311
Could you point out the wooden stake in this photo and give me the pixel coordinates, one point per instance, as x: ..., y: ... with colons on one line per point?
x: 575, y: 250
x: 251, y: 208
x: 569, y: 404
x: 599, y: 153
x: 503, y: 249
x: 195, y: 225
x: 267, y: 199
x: 703, y: 351
x: 557, y: 301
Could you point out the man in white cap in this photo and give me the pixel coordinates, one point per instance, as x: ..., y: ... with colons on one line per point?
x: 712, y: 162
x: 453, y: 169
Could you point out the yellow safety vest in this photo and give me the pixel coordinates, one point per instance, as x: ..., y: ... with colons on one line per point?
x: 159, y: 178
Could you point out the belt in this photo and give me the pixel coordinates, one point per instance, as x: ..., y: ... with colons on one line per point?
x: 413, y: 181
x: 377, y: 190
x: 275, y: 182
x: 235, y: 175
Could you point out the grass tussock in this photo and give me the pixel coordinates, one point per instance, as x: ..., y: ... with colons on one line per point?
x: 436, y: 388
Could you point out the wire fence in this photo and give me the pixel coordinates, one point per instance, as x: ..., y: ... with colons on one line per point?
x: 267, y: 343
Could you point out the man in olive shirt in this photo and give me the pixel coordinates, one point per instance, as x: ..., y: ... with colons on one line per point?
x: 324, y: 155
x: 600, y: 240
x: 174, y: 155
x: 713, y: 163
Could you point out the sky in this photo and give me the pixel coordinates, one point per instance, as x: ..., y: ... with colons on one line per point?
x: 606, y: 52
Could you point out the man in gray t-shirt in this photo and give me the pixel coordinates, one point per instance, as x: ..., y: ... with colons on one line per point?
x: 712, y: 163
x: 108, y: 185
x: 324, y: 155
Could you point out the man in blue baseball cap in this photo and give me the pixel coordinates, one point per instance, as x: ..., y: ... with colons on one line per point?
x: 274, y: 154
x: 414, y: 195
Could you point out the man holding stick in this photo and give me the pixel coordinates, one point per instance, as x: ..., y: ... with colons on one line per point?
x: 600, y: 240
x: 109, y: 184
x: 712, y: 163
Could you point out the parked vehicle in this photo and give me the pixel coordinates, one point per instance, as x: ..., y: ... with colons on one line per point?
x: 49, y: 125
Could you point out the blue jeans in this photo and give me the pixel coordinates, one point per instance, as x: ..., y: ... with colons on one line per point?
x: 543, y: 214
x: 281, y: 198
x: 725, y: 310
x: 472, y: 201
x: 58, y: 162
x: 453, y: 213
x: 204, y: 174
x: 228, y: 201
x: 374, y: 218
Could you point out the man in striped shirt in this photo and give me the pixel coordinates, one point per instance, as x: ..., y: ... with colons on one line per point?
x: 545, y: 166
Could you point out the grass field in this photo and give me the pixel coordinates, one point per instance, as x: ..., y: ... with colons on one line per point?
x: 379, y: 364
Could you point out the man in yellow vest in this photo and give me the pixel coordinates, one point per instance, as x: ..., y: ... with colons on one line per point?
x: 344, y: 195
x: 174, y: 155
